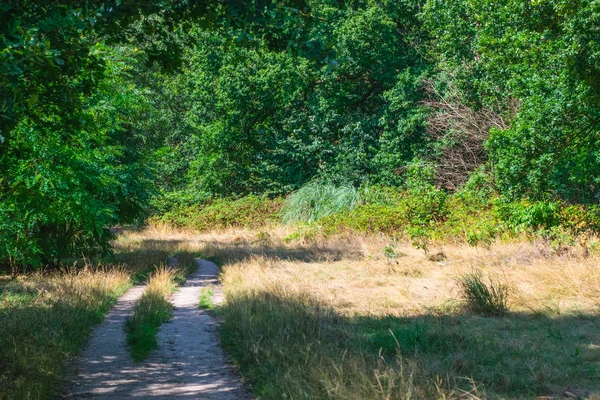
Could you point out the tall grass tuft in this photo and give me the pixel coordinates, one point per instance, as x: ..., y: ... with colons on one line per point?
x: 481, y: 297
x: 317, y: 200
x: 151, y: 311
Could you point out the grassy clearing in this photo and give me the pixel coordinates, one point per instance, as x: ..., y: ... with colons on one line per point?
x: 150, y: 312
x: 347, y: 317
x: 346, y: 321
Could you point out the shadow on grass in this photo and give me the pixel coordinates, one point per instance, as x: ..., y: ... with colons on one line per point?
x: 291, y: 346
x: 46, y: 317
x: 37, y: 335
x: 225, y: 253
x: 229, y: 253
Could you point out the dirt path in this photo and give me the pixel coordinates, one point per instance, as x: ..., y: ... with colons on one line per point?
x: 189, y: 363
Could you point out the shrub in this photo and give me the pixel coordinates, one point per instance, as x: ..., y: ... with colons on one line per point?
x: 481, y: 297
x: 524, y: 216
x: 316, y: 200
x: 368, y: 218
x: 250, y: 211
x: 381, y: 195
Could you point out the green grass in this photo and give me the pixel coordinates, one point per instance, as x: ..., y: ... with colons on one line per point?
x: 187, y: 263
x: 316, y: 200
x: 205, y: 301
x: 292, y: 347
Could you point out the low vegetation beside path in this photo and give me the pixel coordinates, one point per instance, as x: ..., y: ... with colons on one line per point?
x: 47, y: 317
x: 362, y: 318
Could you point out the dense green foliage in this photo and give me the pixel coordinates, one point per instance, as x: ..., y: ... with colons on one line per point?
x: 335, y: 104
x: 111, y: 111
x: 71, y: 157
x: 248, y: 212
x: 538, y: 63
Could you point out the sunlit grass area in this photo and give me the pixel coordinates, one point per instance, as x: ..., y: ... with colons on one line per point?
x: 346, y: 319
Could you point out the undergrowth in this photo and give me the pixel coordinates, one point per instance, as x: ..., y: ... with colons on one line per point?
x: 421, y: 214
x: 248, y: 212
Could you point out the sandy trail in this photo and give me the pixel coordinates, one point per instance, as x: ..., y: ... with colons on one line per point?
x: 189, y: 363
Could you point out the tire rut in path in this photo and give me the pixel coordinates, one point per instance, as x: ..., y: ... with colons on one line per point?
x: 189, y: 363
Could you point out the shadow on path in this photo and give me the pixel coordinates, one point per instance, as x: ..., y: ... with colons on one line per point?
x: 189, y: 363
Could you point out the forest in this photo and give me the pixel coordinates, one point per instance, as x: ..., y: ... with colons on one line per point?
x: 113, y: 113
x: 405, y: 125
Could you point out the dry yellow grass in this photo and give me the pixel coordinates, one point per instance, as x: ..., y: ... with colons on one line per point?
x: 354, y: 275
x: 45, y: 317
x: 84, y: 284
x: 160, y: 283
x: 373, y: 301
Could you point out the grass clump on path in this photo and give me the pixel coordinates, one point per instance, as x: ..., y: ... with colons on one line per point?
x: 154, y: 308
x: 205, y: 301
x: 150, y: 312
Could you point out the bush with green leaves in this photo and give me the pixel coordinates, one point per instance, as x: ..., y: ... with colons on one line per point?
x: 536, y: 65
x: 246, y: 212
x: 66, y: 179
